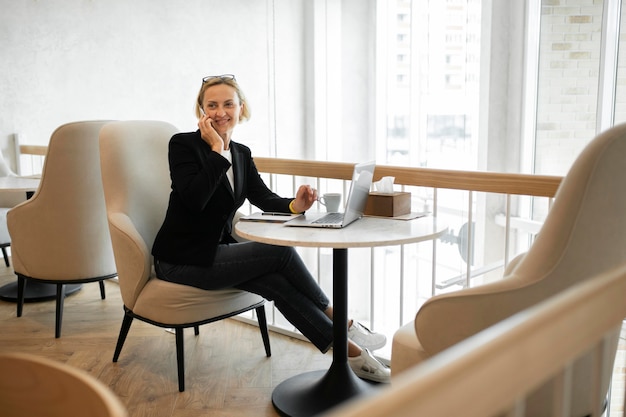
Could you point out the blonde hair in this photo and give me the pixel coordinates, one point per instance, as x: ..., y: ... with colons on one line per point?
x: 230, y: 81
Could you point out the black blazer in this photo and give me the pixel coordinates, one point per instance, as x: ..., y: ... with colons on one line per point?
x: 202, y: 203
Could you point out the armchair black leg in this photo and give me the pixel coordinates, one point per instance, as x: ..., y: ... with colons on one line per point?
x: 21, y: 285
x: 6, y: 256
x: 59, y: 312
x: 128, y: 320
x: 261, y: 317
x: 180, y: 358
x: 102, y: 292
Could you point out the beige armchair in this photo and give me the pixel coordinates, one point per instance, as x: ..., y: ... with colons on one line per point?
x: 8, y: 200
x: 34, y: 386
x: 583, y: 235
x: 135, y: 174
x: 60, y: 235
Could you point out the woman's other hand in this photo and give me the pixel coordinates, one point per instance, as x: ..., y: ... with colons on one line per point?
x: 305, y: 197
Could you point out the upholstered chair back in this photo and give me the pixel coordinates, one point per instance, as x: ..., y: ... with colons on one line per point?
x: 583, y: 235
x: 136, y: 202
x: 32, y: 385
x: 61, y: 233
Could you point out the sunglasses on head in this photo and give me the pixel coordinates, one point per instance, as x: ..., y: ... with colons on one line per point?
x: 224, y: 77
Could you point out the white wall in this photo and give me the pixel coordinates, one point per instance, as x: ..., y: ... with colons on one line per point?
x: 68, y: 60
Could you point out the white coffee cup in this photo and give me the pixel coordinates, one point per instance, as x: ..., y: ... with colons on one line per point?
x: 331, y: 201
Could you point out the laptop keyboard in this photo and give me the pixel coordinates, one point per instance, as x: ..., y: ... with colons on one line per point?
x: 331, y: 218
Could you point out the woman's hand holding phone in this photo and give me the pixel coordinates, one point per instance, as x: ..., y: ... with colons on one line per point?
x: 209, y: 134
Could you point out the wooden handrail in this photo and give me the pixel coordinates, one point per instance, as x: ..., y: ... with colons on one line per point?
x: 492, y: 182
x: 504, y: 183
x: 33, y: 150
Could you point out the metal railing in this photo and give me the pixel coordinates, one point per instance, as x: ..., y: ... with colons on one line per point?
x: 31, y: 159
x: 387, y: 285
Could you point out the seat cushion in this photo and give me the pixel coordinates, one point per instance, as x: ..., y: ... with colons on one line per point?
x: 169, y: 303
x: 406, y: 350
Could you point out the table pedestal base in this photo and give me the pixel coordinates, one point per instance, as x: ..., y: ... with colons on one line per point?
x: 312, y: 393
x: 35, y: 291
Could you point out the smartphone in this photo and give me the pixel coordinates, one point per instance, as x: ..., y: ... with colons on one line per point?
x: 202, y: 111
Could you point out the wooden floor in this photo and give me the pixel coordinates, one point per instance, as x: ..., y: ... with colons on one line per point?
x: 227, y: 373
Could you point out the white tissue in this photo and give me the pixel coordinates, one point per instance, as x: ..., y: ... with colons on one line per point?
x: 385, y: 185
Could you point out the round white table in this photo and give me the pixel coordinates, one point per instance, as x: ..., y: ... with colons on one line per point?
x: 311, y: 393
x: 26, y: 184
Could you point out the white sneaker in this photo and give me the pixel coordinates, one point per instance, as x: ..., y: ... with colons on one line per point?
x: 364, y: 337
x: 367, y: 366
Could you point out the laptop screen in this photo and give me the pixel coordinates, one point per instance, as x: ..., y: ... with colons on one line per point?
x: 359, y: 191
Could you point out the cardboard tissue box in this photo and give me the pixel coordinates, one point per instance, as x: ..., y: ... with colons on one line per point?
x: 386, y: 202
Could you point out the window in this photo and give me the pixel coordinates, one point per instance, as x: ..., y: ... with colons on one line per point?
x: 432, y: 84
x: 440, y: 80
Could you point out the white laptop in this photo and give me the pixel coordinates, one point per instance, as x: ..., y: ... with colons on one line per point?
x: 355, y: 205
